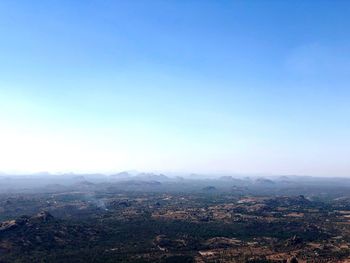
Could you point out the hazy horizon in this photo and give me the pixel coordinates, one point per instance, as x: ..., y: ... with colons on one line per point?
x: 234, y: 87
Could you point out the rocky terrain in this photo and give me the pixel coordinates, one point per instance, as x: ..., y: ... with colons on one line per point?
x: 153, y: 218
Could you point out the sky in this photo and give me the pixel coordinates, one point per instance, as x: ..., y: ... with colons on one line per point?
x: 185, y: 86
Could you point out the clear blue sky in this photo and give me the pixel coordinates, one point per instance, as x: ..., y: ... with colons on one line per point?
x: 191, y: 86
